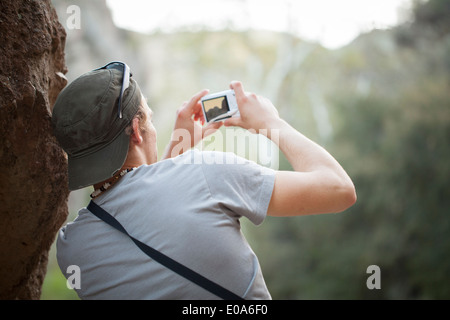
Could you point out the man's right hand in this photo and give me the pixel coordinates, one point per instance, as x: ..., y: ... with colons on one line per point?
x: 256, y: 113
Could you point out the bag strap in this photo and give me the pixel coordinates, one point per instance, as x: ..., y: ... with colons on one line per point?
x: 163, y: 259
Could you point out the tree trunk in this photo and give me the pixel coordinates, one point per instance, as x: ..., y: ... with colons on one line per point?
x: 33, y: 168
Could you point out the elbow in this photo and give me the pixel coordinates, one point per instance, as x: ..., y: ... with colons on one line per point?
x: 351, y: 197
x: 347, y: 196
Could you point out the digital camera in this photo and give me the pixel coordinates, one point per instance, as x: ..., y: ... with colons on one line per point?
x: 219, y: 106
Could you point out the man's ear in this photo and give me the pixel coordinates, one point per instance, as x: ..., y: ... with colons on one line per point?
x: 136, y: 136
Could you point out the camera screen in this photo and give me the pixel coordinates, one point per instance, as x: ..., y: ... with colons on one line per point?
x: 215, y: 107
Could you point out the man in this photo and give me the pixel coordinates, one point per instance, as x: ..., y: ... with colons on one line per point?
x: 186, y: 206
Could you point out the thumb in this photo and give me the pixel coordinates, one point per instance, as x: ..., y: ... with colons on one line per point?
x: 233, y: 122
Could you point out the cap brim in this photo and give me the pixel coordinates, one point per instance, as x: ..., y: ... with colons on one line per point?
x: 99, y: 166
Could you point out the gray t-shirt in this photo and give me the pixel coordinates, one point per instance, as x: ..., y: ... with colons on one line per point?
x: 188, y: 208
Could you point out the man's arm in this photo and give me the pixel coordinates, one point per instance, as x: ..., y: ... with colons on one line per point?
x: 318, y: 184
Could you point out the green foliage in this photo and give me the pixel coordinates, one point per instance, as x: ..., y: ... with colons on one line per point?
x: 434, y: 14
x: 54, y: 287
x: 393, y: 138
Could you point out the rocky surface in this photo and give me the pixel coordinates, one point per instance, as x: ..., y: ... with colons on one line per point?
x: 33, y: 179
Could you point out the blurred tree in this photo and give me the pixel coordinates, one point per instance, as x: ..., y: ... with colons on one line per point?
x: 434, y: 14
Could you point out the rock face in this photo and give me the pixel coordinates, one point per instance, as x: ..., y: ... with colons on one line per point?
x: 33, y: 178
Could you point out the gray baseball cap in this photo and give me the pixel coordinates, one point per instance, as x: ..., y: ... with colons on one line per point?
x: 89, y: 120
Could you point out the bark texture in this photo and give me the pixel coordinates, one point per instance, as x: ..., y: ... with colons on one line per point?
x: 33, y: 168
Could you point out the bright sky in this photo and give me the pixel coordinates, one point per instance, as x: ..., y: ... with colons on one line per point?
x: 333, y: 23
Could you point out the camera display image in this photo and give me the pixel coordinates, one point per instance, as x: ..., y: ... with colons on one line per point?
x: 215, y: 107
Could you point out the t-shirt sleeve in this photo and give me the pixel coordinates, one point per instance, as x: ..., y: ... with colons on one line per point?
x: 241, y: 186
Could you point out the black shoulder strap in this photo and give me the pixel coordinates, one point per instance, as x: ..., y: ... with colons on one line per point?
x: 165, y: 260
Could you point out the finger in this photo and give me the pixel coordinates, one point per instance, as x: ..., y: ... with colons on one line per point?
x: 196, y: 97
x: 198, y: 112
x: 191, y: 108
x: 238, y: 89
x: 233, y: 122
x: 199, y: 118
x: 197, y: 107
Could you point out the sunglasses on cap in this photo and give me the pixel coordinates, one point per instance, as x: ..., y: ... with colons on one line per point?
x: 125, y: 81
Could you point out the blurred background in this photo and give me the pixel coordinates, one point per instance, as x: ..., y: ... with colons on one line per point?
x: 368, y: 80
